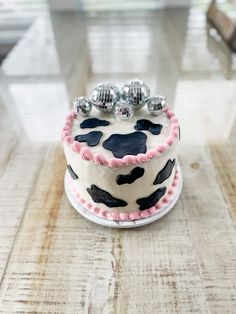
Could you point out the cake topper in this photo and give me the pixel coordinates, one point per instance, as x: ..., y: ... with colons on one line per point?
x: 123, y: 110
x: 156, y: 105
x: 105, y: 96
x: 108, y: 98
x: 136, y: 92
x: 82, y: 106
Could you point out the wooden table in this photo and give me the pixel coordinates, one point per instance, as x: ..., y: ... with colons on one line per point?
x: 54, y: 261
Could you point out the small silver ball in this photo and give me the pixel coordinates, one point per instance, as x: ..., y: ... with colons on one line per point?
x: 137, y: 94
x: 105, y: 96
x: 82, y: 106
x: 156, y: 105
x: 123, y: 110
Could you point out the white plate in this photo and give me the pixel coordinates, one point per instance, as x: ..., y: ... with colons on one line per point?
x: 122, y: 224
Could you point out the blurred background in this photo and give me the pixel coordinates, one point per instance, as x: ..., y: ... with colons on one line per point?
x: 52, y: 51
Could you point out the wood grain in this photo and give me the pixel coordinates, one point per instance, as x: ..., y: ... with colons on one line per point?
x: 16, y: 182
x: 225, y: 164
x: 61, y: 262
x: 212, y: 230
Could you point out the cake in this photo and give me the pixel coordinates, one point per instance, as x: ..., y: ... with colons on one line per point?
x: 121, y: 152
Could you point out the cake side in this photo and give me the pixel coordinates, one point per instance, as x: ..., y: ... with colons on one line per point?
x: 130, y: 187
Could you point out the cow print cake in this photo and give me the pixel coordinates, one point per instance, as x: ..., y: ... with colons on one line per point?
x: 122, y: 169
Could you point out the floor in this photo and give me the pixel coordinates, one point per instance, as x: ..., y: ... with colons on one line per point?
x: 54, y: 261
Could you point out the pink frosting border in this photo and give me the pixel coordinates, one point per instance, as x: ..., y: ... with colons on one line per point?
x: 87, y: 154
x: 119, y: 216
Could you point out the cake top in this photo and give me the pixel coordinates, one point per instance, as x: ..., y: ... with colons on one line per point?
x: 118, y: 128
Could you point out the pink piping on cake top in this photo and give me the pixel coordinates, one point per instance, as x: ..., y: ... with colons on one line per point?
x: 86, y: 153
x: 119, y: 216
x: 99, y: 159
x: 76, y: 146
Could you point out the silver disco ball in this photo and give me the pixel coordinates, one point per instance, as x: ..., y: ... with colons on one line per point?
x: 82, y: 106
x: 105, y: 96
x: 123, y: 110
x: 156, y: 105
x: 137, y: 93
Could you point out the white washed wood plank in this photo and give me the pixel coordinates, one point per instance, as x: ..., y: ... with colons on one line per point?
x: 158, y: 270
x: 17, y: 177
x: 225, y: 164
x: 212, y: 230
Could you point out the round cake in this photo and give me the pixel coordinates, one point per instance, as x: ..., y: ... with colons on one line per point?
x: 122, y: 160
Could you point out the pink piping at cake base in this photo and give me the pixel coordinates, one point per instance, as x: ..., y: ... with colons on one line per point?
x: 119, y: 216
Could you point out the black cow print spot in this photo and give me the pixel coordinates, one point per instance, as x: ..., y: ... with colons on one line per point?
x: 72, y: 173
x: 151, y: 200
x: 100, y: 196
x: 145, y: 124
x: 165, y: 172
x: 91, y: 138
x: 93, y: 123
x: 126, y: 144
x: 129, y: 178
